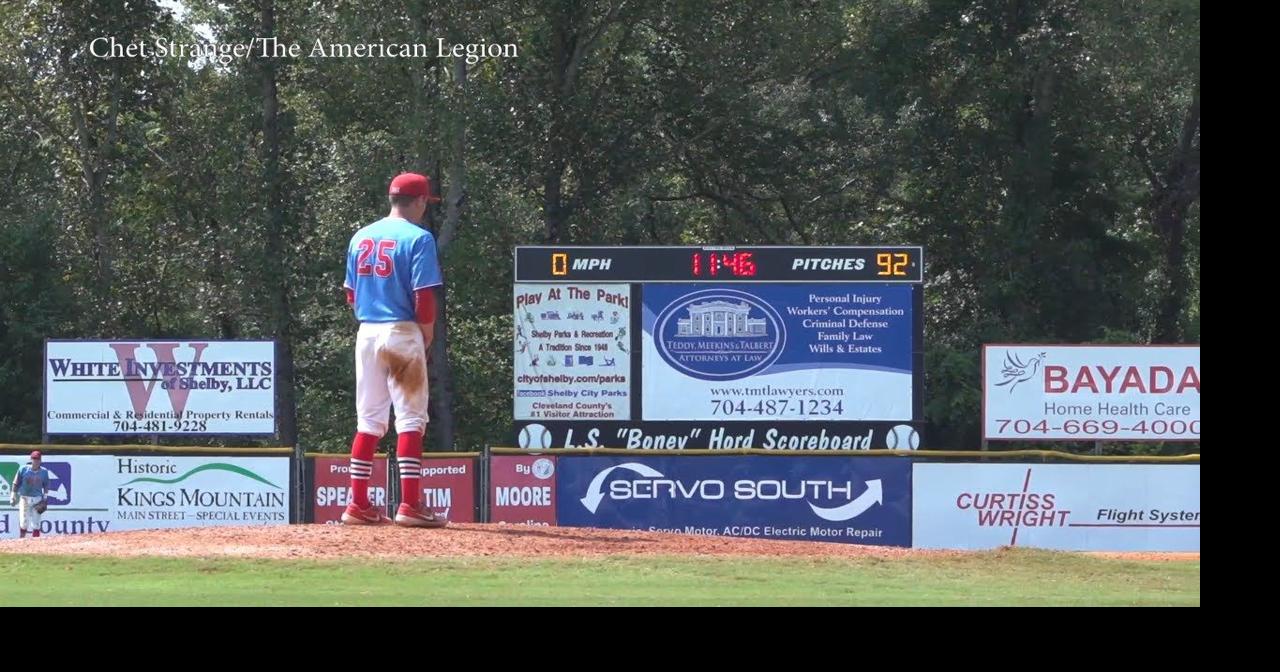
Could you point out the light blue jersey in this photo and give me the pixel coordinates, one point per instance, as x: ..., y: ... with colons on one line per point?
x: 386, y: 262
x: 32, y: 482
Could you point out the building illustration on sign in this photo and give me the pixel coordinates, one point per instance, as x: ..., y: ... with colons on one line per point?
x: 720, y: 318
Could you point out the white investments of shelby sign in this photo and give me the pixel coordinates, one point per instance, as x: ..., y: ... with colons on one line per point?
x: 1091, y: 393
x: 159, y: 387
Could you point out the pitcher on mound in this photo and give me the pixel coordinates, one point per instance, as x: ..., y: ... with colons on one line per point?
x: 392, y: 271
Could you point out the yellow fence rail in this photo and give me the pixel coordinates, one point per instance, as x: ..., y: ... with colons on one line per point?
x: 54, y: 448
x: 425, y: 455
x: 985, y: 454
x: 1193, y: 458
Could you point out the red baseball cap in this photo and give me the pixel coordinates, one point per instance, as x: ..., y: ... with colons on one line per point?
x: 35, y: 455
x: 412, y: 184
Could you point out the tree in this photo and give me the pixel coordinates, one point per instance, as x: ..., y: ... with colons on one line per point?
x: 1046, y: 154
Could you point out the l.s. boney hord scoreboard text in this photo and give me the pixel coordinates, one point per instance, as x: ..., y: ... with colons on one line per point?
x: 786, y: 348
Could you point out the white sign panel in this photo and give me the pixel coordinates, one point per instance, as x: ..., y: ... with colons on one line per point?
x: 572, y: 358
x: 159, y: 387
x: 789, y: 351
x: 103, y: 493
x: 1091, y: 393
x: 153, y: 492
x: 1103, y: 507
x: 80, y: 491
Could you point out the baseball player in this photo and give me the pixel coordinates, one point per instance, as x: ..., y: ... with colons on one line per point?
x: 391, y: 275
x: 30, y: 495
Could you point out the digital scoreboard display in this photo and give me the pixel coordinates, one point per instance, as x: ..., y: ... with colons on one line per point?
x: 721, y: 347
x: 721, y: 264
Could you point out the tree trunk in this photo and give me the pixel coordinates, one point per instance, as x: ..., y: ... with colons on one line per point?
x: 98, y: 227
x: 442, y: 383
x: 560, y: 85
x: 218, y: 278
x: 573, y: 40
x: 1173, y: 196
x: 1028, y: 174
x: 93, y: 166
x: 457, y: 162
x: 1170, y: 221
x: 277, y: 266
x: 552, y: 208
x: 424, y: 92
x: 442, y: 386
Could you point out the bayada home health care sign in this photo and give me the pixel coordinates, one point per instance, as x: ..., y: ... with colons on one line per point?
x: 1091, y: 393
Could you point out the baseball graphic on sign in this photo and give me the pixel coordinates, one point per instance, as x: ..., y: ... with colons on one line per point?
x: 535, y: 437
x: 543, y: 468
x: 902, y: 437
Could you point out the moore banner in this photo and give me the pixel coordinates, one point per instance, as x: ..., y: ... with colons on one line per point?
x: 1091, y: 392
x: 159, y: 387
x: 101, y: 493
x: 1068, y: 507
x: 522, y: 489
x: 851, y: 500
x: 811, y: 352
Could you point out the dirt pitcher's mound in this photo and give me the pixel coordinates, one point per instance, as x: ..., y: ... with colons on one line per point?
x: 458, y: 540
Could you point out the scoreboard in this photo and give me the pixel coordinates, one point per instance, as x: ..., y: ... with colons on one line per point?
x: 719, y: 264
x: 721, y: 347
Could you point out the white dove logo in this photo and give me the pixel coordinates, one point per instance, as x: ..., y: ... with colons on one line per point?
x: 1015, y: 371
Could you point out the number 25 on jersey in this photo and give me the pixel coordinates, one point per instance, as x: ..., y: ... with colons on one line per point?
x: 384, y: 264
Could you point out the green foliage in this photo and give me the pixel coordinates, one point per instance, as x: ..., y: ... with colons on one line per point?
x: 1038, y: 150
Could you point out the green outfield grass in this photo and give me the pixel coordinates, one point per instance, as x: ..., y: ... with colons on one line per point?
x: 1018, y: 577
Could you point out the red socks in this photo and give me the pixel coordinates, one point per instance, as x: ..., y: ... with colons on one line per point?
x: 362, y: 448
x: 409, y: 459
